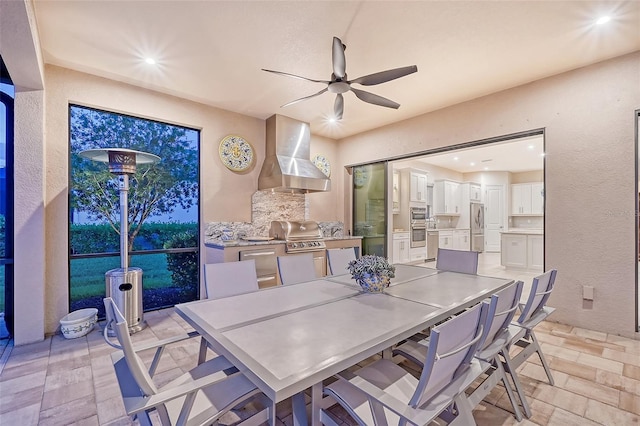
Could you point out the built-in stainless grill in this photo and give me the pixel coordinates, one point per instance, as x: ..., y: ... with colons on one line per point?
x: 300, y: 236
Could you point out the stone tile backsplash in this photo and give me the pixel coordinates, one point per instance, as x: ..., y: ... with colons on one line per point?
x: 267, y: 206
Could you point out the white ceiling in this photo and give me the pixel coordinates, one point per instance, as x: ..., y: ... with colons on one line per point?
x: 213, y: 51
x: 515, y: 155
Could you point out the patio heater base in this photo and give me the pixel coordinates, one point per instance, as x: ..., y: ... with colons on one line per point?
x: 124, y: 286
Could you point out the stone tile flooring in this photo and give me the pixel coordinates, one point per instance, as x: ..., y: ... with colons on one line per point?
x: 63, y: 382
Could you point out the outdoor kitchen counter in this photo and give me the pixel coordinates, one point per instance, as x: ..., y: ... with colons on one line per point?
x: 219, y: 244
x: 217, y: 251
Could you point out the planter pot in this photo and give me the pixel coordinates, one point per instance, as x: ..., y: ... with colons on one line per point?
x: 78, y: 323
x: 373, y: 283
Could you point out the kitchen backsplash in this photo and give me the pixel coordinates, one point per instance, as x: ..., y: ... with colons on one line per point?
x: 267, y: 206
x: 526, y: 222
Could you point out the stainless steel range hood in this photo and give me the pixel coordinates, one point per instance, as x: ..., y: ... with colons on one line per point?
x: 286, y: 166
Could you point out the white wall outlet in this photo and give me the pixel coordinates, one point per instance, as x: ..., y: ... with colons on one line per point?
x: 587, y: 292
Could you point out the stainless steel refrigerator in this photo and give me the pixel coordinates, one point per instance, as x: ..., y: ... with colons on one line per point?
x: 477, y: 227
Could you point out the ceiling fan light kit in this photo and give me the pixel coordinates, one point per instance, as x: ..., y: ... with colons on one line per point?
x: 339, y: 83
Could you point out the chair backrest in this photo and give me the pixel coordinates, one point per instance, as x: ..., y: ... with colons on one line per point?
x: 339, y: 259
x: 452, y: 346
x: 457, y: 261
x: 137, y: 369
x: 540, y: 291
x: 502, y: 308
x: 296, y: 268
x: 230, y: 278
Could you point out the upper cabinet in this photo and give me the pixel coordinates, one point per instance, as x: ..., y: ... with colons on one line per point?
x: 475, y: 192
x: 446, y: 198
x: 418, y: 184
x: 396, y: 192
x: 527, y: 199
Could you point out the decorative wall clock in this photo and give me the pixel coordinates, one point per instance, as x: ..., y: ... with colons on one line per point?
x: 236, y: 153
x: 323, y: 164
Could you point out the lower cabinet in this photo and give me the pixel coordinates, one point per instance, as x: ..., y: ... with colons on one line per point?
x: 461, y: 240
x: 522, y: 251
x: 445, y: 239
x: 535, y: 252
x: 401, y: 246
x: 454, y: 239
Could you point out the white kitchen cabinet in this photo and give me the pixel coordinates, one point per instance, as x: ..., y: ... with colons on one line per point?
x: 535, y: 252
x: 418, y: 183
x: 514, y: 251
x: 418, y: 253
x: 522, y: 251
x: 401, y: 247
x: 537, y: 198
x: 475, y: 192
x: 396, y: 193
x: 445, y: 239
x: 461, y: 239
x: 527, y: 199
x: 446, y: 198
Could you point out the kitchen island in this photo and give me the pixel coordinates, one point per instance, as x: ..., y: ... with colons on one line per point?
x: 522, y: 249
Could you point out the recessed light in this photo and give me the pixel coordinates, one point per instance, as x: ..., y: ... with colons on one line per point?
x: 542, y: 155
x: 472, y: 164
x: 603, y: 20
x: 455, y: 158
x: 531, y: 146
x: 332, y: 120
x: 486, y: 168
x: 150, y: 61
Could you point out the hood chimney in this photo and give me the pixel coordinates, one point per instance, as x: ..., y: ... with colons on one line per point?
x: 287, y: 166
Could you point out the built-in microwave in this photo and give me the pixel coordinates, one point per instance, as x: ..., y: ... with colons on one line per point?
x: 418, y: 214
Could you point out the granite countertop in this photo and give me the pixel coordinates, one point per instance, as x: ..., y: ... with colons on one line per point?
x: 218, y: 243
x: 524, y: 231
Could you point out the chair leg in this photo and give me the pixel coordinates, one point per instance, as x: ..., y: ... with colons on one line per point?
x: 502, y: 375
x: 535, y: 343
x: 464, y: 415
x: 510, y: 368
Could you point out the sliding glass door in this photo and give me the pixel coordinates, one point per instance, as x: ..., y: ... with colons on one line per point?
x: 370, y: 207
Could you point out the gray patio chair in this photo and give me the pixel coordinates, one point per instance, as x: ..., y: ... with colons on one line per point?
x: 339, y: 259
x: 384, y: 393
x: 200, y: 396
x: 462, y: 261
x: 520, y: 332
x: 296, y: 268
x: 224, y: 280
x: 500, y: 312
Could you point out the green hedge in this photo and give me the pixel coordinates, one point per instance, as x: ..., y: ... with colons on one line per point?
x: 183, y: 266
x: 102, y: 238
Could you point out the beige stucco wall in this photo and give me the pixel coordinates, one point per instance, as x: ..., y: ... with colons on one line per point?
x: 225, y: 195
x: 588, y: 117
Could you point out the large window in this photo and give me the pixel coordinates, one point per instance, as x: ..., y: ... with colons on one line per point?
x: 163, y: 198
x: 7, y: 94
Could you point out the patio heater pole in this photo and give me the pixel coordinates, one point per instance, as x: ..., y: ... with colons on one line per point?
x: 124, y: 285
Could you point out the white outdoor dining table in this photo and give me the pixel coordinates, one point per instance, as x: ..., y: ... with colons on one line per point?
x: 289, y: 338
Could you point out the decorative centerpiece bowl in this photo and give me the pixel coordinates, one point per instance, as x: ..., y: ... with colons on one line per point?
x: 372, y: 272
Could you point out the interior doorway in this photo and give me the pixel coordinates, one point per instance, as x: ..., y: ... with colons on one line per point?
x: 509, y: 172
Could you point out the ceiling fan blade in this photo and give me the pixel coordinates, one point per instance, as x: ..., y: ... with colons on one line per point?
x: 384, y: 76
x: 339, y: 60
x: 375, y: 99
x: 306, y: 97
x: 338, y: 106
x: 297, y: 76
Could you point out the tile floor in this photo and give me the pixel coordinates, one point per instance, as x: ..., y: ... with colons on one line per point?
x: 64, y: 382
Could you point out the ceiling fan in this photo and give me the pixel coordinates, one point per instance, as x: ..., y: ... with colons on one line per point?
x: 339, y: 83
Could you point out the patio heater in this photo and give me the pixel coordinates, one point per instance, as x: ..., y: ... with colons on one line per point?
x: 124, y: 284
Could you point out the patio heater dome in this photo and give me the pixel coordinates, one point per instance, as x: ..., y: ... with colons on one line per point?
x: 124, y: 284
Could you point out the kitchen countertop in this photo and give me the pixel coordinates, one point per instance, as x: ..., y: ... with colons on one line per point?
x: 217, y: 243
x: 523, y: 231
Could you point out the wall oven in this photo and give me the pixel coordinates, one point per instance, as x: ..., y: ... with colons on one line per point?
x: 418, y: 216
